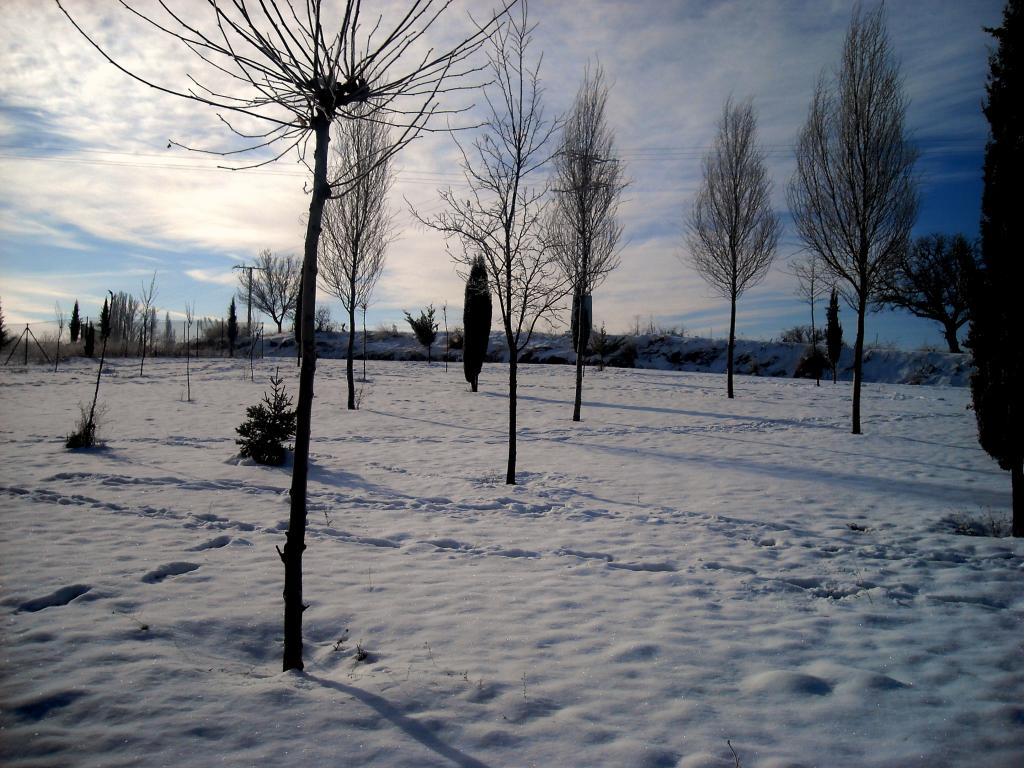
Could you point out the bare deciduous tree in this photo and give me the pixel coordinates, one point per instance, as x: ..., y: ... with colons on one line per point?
x: 274, y: 287
x: 273, y: 65
x: 931, y: 281
x: 146, y: 298
x: 811, y: 285
x: 61, y: 320
x: 853, y: 195
x: 501, y: 217
x: 583, y: 229
x: 732, y: 230
x: 358, y: 226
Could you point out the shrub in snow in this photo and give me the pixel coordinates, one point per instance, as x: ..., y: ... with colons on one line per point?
x: 424, y: 327
x: 269, y: 426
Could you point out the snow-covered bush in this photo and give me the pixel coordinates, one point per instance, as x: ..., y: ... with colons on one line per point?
x: 269, y: 426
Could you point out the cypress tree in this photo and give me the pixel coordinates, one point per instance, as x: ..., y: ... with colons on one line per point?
x: 995, y: 329
x: 476, y: 321
x: 232, y: 327
x: 105, y: 321
x: 89, y: 337
x: 75, y: 326
x: 833, y: 334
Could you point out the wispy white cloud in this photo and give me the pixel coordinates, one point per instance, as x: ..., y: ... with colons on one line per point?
x: 217, y: 277
x: 87, y: 170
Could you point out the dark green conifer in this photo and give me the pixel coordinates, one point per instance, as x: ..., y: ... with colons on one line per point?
x: 75, y: 326
x: 833, y: 334
x: 995, y: 331
x: 476, y: 321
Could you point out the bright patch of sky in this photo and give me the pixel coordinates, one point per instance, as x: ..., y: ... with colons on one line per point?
x: 94, y: 198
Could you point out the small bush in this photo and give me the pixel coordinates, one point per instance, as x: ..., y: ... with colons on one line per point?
x: 269, y: 426
x: 812, y: 365
x: 985, y: 522
x: 86, y: 434
x: 456, y: 338
x: 801, y: 334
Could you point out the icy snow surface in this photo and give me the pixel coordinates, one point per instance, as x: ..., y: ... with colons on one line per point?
x: 675, y: 571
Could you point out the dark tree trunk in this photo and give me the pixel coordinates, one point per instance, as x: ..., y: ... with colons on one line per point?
x: 951, y: 340
x: 513, y: 364
x: 295, y: 542
x: 814, y: 347
x: 349, y: 373
x: 579, y: 388
x: 1017, y: 487
x: 732, y: 343
x: 858, y: 360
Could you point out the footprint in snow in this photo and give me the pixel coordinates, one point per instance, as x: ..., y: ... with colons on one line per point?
x: 785, y: 682
x: 168, y: 569
x: 62, y: 596
x: 214, y: 543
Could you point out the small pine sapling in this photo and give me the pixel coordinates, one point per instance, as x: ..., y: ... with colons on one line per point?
x: 269, y: 426
x: 424, y: 327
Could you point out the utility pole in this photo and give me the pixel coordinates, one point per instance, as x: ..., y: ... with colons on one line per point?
x: 248, y: 304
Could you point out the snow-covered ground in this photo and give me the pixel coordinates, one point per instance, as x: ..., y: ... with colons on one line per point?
x: 676, y: 571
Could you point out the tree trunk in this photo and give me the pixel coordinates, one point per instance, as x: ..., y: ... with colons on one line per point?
x: 349, y: 373
x: 814, y: 344
x: 513, y: 364
x: 858, y: 359
x: 732, y: 343
x: 295, y: 543
x: 1017, y: 486
x: 951, y: 340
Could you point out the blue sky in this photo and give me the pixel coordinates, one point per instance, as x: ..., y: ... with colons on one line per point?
x: 92, y: 198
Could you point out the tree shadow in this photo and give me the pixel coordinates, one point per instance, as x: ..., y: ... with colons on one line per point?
x: 409, y: 726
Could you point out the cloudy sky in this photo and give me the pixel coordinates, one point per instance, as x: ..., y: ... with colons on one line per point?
x: 92, y: 197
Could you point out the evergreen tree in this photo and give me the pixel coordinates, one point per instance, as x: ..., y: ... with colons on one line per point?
x: 995, y: 327
x: 89, y: 337
x: 269, y: 426
x: 424, y: 327
x: 75, y: 326
x: 476, y: 321
x: 105, y: 321
x: 833, y: 334
x: 232, y: 326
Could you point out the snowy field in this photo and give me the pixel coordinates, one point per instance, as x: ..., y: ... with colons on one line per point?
x: 676, y: 571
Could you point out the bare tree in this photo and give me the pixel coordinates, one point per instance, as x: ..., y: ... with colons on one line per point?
x: 358, y: 226
x: 583, y: 228
x: 277, y: 66
x: 811, y: 285
x: 146, y: 298
x: 853, y: 195
x: 732, y: 230
x: 501, y: 216
x: 274, y: 287
x: 931, y: 279
x: 190, y: 313
x: 61, y: 319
